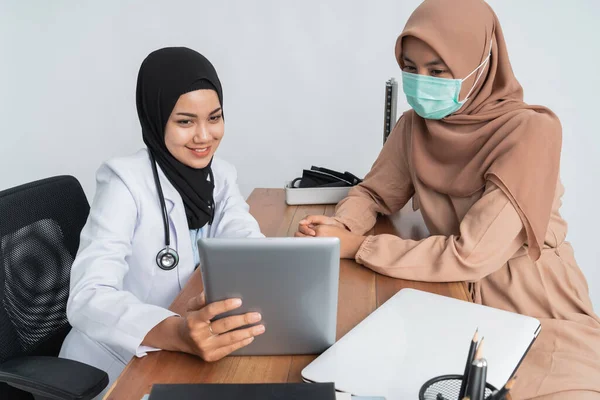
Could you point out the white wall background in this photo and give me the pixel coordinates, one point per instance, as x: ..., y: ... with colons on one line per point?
x: 303, y: 84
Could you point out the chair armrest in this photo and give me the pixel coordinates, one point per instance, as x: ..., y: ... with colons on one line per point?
x: 53, y: 377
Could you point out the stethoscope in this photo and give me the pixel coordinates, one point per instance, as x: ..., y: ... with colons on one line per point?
x: 168, y: 258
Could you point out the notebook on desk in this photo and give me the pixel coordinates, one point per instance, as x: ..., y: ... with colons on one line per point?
x: 416, y: 336
x: 232, y: 391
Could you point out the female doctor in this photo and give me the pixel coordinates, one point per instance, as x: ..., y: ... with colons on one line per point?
x: 138, y: 247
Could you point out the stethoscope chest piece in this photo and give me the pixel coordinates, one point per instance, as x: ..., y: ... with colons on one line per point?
x: 167, y: 259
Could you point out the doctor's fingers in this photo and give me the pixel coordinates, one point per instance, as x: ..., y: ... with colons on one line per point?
x: 231, y: 338
x: 196, y: 302
x: 221, y: 352
x: 235, y: 321
x: 211, y: 310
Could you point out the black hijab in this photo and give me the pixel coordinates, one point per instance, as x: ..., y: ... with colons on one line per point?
x: 165, y: 75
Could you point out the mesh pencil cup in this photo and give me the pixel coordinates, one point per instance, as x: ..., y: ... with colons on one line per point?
x: 446, y: 387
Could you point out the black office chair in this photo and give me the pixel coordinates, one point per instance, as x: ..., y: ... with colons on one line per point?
x: 40, y: 223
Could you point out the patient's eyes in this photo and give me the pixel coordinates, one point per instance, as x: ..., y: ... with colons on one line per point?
x: 437, y: 72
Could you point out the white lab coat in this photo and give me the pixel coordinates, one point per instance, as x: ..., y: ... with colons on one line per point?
x: 118, y: 293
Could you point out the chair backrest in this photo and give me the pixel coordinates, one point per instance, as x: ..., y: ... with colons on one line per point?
x: 40, y: 224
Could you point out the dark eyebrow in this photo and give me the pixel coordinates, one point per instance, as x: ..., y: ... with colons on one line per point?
x: 192, y: 115
x: 429, y: 64
x: 188, y: 114
x: 435, y: 62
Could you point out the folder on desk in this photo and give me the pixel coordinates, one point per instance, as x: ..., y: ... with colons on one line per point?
x: 238, y: 391
x: 416, y: 336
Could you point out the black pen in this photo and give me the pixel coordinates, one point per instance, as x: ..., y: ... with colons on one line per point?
x: 483, y: 381
x: 475, y: 380
x: 470, y: 357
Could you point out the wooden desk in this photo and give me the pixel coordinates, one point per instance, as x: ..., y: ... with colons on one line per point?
x: 360, y: 292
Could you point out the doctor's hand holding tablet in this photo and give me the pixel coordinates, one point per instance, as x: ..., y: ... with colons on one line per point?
x: 210, y: 340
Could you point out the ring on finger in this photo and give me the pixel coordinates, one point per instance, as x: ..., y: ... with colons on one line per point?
x: 211, y: 330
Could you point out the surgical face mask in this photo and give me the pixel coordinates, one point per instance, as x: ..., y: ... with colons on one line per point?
x: 436, y: 98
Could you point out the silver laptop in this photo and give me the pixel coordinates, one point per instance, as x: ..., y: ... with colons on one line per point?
x: 416, y: 336
x: 292, y: 282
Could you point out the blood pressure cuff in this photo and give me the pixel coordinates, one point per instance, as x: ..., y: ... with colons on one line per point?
x: 323, y: 177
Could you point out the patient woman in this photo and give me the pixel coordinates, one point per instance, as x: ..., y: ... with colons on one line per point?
x: 125, y: 274
x: 483, y: 167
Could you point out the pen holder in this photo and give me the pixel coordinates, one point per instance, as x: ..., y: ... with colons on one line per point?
x: 448, y: 387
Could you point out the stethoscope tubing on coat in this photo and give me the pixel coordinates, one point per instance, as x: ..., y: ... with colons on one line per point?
x: 168, y: 258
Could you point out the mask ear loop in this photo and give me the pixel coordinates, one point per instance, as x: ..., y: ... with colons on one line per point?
x: 479, y: 75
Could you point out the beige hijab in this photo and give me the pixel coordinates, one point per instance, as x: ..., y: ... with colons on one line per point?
x: 495, y: 136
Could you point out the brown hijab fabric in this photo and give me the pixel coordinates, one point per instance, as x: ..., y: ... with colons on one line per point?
x: 495, y: 136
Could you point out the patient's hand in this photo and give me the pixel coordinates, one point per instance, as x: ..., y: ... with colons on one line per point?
x: 307, y: 226
x: 349, y: 242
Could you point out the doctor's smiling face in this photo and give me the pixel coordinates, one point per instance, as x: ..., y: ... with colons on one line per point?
x: 195, y: 128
